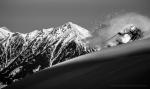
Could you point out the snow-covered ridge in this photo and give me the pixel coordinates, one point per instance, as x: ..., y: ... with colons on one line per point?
x: 4, y: 32
x: 82, y: 32
x: 25, y: 53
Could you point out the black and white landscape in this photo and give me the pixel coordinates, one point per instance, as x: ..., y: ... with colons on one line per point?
x: 74, y: 44
x: 25, y: 54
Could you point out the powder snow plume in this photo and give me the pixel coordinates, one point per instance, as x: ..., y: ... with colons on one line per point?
x: 111, y: 26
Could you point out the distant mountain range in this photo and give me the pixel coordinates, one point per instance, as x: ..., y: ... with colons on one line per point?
x: 24, y: 54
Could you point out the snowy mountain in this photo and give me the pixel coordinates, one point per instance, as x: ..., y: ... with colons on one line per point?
x: 24, y: 54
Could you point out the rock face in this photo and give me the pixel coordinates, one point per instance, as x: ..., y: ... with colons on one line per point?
x: 24, y: 54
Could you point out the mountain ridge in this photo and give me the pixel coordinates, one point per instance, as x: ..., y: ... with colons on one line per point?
x: 26, y: 53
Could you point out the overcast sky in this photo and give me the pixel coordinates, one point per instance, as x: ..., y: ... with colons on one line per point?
x: 28, y: 15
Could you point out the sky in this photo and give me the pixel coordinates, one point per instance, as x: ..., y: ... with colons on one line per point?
x: 28, y: 15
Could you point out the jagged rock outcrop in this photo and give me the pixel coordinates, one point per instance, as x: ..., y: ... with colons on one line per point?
x: 24, y: 54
